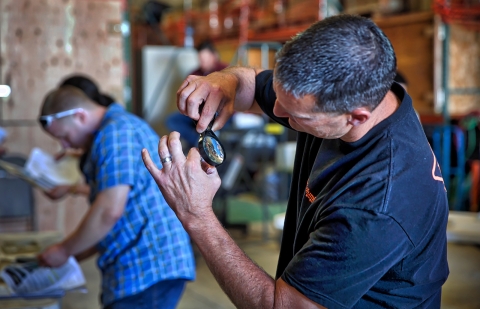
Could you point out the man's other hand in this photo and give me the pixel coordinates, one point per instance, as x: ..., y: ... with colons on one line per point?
x: 187, y: 183
x: 58, y: 192
x: 53, y: 256
x: 217, y: 94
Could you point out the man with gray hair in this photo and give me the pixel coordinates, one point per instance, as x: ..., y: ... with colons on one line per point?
x: 366, y: 220
x: 144, y: 253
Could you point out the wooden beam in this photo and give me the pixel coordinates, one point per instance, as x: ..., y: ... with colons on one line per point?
x: 277, y: 34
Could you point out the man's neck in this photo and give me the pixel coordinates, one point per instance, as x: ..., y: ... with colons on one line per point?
x: 385, y: 109
x: 97, y: 114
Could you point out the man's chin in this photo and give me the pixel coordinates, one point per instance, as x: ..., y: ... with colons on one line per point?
x: 295, y: 126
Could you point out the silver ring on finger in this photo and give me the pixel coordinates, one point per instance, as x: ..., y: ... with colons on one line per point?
x: 166, y: 159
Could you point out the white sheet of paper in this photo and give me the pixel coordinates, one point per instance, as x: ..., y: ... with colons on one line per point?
x: 42, y: 280
x: 41, y: 164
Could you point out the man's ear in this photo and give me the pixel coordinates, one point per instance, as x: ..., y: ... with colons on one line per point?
x: 81, y: 116
x: 359, y: 116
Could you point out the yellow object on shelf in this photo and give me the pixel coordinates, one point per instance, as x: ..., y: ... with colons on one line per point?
x: 274, y: 128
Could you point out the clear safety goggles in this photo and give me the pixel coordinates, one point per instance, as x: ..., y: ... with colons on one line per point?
x: 47, y: 120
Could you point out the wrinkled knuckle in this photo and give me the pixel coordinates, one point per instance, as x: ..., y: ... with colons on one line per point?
x: 182, y: 95
x: 174, y: 142
x: 216, y: 88
x: 190, y: 101
x: 163, y: 153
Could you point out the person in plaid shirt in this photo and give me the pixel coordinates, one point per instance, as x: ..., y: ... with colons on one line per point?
x: 145, y: 255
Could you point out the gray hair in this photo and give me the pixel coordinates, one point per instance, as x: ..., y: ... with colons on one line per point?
x: 344, y: 61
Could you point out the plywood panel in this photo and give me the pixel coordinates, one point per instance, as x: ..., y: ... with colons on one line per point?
x: 412, y: 38
x: 60, y: 38
x: 464, y: 57
x: 42, y: 41
x: 460, y: 105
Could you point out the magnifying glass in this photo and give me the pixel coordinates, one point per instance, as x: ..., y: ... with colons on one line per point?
x: 209, y: 146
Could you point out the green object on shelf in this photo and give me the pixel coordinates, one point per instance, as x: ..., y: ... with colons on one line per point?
x: 248, y: 208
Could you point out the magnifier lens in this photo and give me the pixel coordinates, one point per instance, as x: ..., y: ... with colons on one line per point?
x: 209, y: 146
x: 213, y: 150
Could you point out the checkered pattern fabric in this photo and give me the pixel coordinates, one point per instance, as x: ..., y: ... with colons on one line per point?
x: 148, y: 244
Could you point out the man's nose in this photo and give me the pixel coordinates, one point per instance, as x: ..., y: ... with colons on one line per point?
x: 278, y: 110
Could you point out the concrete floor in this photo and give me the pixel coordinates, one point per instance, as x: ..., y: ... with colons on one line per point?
x: 461, y: 291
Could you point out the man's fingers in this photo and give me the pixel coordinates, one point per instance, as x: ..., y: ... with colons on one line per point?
x: 149, y: 164
x: 183, y: 85
x: 196, y: 99
x: 213, y: 103
x: 164, y: 152
x: 196, y: 91
x: 194, y: 158
x: 207, y: 95
x: 208, y: 169
x: 186, y: 89
x: 175, y: 147
x: 193, y: 155
x: 222, y: 118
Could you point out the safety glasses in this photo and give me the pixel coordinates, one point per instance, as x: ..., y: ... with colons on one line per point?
x: 47, y: 120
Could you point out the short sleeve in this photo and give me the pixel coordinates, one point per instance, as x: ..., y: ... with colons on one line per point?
x: 349, y: 251
x: 118, y: 155
x: 265, y: 96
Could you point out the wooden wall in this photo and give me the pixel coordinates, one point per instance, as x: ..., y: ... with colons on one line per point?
x: 415, y: 40
x: 412, y: 38
x: 464, y: 58
x: 42, y: 41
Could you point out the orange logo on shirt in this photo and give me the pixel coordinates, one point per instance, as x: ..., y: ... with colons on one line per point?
x: 311, y: 197
x: 309, y: 194
x: 434, y: 168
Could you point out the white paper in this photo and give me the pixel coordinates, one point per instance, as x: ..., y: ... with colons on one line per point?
x: 19, y: 172
x: 42, y: 165
x: 31, y: 279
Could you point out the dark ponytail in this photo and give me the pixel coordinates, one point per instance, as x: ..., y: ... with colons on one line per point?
x: 89, y: 88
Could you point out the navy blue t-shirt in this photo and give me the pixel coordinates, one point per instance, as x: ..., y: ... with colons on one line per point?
x: 366, y: 221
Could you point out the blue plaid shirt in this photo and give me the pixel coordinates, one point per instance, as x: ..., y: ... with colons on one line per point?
x: 148, y: 244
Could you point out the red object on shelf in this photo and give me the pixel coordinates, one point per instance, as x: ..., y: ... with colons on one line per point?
x: 474, y: 193
x: 463, y: 12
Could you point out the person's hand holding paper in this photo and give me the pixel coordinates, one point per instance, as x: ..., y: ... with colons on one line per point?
x: 54, y: 256
x: 42, y: 165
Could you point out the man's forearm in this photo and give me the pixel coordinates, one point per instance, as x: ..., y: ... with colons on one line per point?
x: 93, y: 228
x: 86, y: 254
x: 80, y: 189
x: 245, y: 283
x: 245, y: 92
